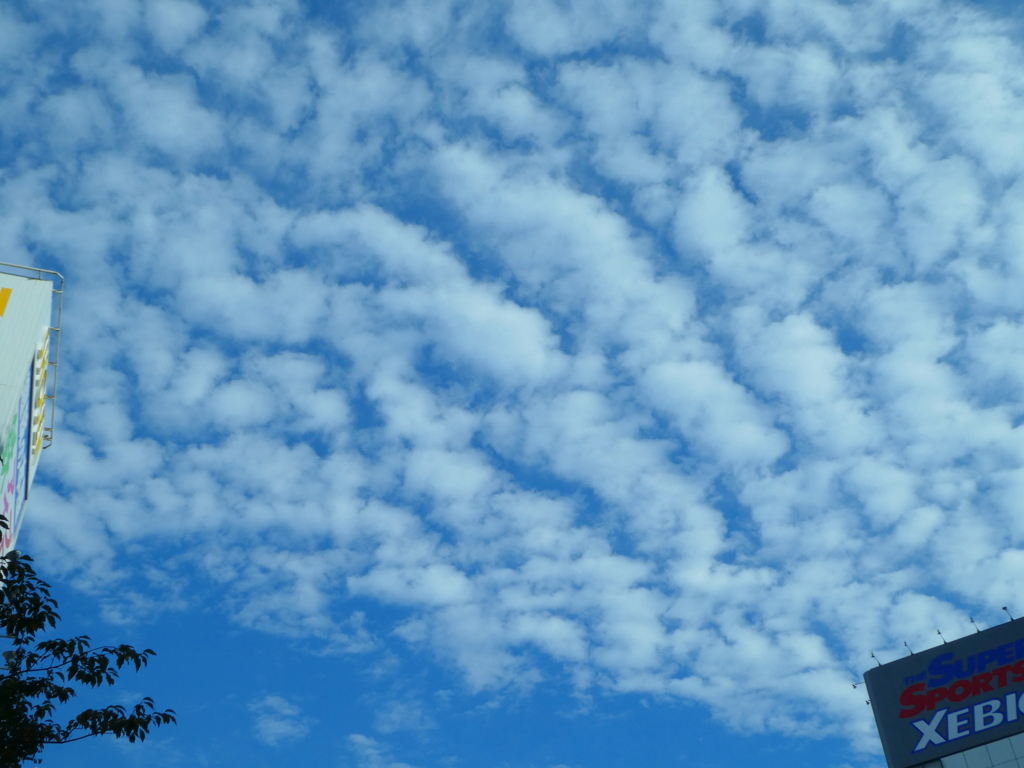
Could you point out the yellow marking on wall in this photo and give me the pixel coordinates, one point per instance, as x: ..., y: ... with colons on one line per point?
x: 5, y: 296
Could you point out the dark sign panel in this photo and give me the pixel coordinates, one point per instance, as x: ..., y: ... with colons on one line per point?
x: 950, y: 698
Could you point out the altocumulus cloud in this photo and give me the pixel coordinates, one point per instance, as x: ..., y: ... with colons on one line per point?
x: 371, y: 754
x: 278, y: 720
x: 626, y: 341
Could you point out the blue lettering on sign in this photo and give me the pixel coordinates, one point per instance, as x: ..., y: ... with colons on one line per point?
x: 915, y: 678
x: 943, y: 669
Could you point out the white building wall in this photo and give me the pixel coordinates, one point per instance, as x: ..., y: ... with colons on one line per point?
x: 1005, y: 753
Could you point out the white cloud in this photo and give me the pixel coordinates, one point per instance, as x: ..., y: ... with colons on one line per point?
x: 174, y: 22
x: 164, y: 112
x: 370, y: 753
x: 278, y: 720
x: 402, y: 715
x: 547, y: 28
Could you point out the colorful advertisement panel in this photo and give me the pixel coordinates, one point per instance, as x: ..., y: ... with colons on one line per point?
x: 14, y: 467
x: 950, y: 698
x: 26, y: 315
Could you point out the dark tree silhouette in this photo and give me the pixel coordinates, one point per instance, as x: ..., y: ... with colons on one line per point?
x: 37, y: 675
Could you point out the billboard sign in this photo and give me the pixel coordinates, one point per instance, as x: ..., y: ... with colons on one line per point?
x: 950, y: 698
x: 26, y: 388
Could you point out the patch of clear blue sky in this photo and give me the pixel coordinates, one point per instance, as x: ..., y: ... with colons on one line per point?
x: 211, y: 671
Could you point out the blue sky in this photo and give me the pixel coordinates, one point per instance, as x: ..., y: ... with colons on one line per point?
x: 533, y: 384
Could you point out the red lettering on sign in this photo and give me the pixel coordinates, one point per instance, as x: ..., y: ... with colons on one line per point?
x: 982, y: 683
x: 1002, y: 673
x: 960, y: 690
x: 1018, y: 671
x: 934, y: 696
x: 913, y: 698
